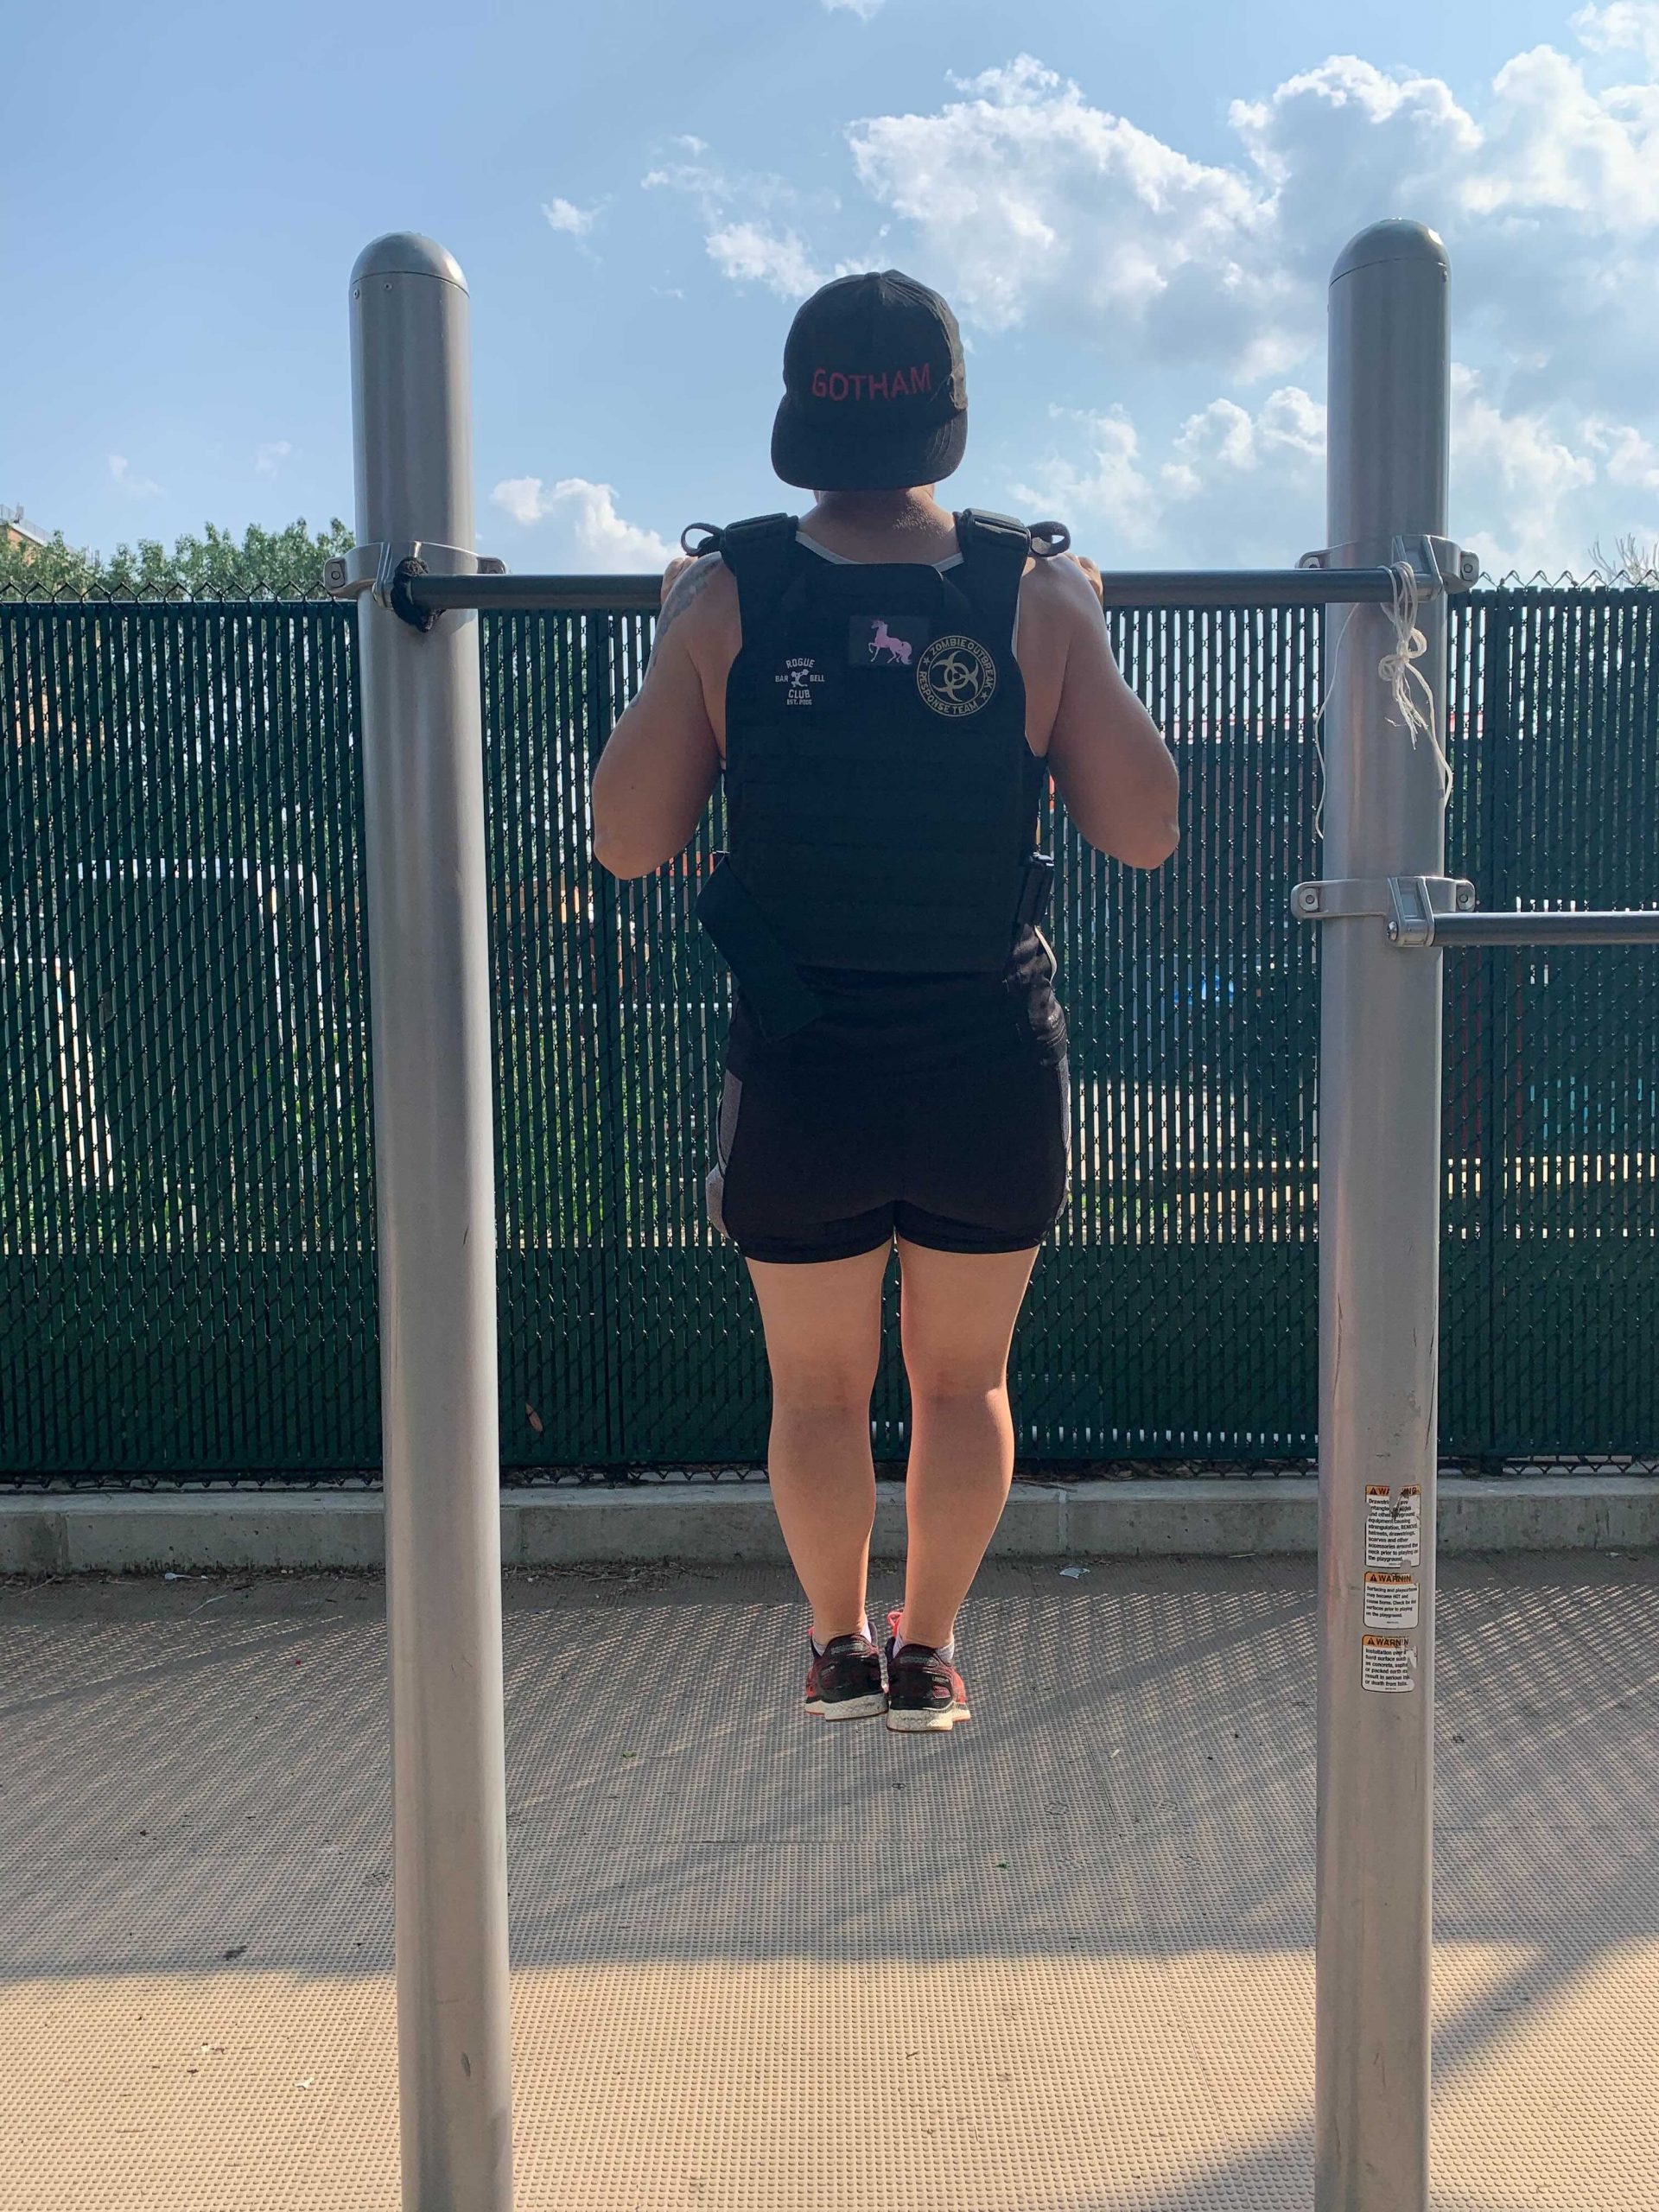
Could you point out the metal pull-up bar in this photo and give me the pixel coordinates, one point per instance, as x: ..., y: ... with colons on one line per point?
x: 1539, y: 925
x: 1379, y: 1177
x: 420, y: 581
x: 1435, y: 912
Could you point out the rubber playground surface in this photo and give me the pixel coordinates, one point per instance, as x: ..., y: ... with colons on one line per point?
x: 1058, y: 1961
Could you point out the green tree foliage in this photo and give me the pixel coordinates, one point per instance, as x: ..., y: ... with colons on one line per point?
x: 264, y: 564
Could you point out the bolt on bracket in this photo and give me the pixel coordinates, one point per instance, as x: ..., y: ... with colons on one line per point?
x: 1407, y: 904
x: 1438, y: 564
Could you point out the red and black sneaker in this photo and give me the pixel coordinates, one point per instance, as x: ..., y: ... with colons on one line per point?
x: 844, y: 1680
x: 925, y: 1695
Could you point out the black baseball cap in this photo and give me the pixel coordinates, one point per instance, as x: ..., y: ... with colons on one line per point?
x: 875, y: 395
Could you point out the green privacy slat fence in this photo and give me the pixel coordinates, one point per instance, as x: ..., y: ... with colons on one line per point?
x: 185, y: 1189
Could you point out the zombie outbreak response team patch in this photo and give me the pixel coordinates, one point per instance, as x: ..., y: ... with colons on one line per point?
x: 954, y: 675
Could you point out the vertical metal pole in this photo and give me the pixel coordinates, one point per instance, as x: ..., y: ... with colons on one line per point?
x: 433, y: 1158
x: 1379, y: 1261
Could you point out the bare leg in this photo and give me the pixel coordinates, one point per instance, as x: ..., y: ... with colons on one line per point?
x: 958, y: 1310
x: 823, y: 1344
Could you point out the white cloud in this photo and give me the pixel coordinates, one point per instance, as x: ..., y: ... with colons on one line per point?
x: 1624, y: 25
x: 751, y: 221
x: 1338, y: 145
x: 1527, y: 485
x: 597, y: 535
x: 522, y: 497
x: 1628, y: 457
x: 1030, y: 204
x: 1519, y: 450
x: 135, y: 487
x: 565, y: 215
x: 1037, y: 210
x: 1547, y: 190
x: 1033, y: 206
x: 715, y: 188
x: 269, y: 458
x: 1534, y: 489
x: 1235, y: 485
x: 1285, y: 436
x: 751, y: 251
x: 1104, y: 486
x: 862, y: 8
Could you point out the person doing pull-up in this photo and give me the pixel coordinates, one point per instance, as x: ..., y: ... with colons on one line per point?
x: 886, y: 687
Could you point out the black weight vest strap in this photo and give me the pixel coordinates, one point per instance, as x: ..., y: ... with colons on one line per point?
x: 882, y: 796
x: 758, y: 552
x: 994, y: 550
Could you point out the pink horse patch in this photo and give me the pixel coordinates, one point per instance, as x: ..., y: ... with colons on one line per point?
x: 898, y: 649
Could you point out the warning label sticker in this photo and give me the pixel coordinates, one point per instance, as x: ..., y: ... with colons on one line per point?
x: 1387, y: 1662
x: 1394, y: 1526
x: 1390, y: 1601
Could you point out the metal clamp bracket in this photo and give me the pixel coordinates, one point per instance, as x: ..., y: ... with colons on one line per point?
x: 383, y: 568
x: 1407, y: 904
x: 1438, y: 564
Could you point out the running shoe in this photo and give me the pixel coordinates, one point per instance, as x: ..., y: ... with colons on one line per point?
x: 925, y: 1695
x: 844, y: 1680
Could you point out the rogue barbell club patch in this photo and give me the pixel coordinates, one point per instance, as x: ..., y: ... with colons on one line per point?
x: 798, y: 674
x: 956, y: 676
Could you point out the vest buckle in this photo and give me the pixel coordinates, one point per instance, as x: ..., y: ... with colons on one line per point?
x: 1037, y: 885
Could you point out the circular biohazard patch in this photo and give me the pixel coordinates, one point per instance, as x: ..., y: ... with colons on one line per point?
x: 956, y: 676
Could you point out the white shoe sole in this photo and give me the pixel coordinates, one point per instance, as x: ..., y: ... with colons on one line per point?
x: 850, y: 1709
x: 940, y: 1722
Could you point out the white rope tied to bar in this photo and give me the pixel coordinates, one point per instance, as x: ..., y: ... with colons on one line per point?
x: 1319, y: 723
x: 1414, y: 699
x: 1410, y: 688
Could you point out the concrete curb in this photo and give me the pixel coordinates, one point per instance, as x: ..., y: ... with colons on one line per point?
x: 62, y: 1534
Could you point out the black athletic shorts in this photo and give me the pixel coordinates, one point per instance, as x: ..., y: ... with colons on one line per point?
x: 935, y: 1108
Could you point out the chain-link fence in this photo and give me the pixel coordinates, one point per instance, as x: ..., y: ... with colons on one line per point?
x: 185, y: 1189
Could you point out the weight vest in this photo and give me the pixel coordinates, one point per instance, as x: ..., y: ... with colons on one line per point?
x: 881, y: 799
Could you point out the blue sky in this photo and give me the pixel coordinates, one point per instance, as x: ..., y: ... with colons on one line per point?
x: 1133, y: 209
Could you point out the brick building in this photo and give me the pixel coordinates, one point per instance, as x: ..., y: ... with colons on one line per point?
x: 16, y: 529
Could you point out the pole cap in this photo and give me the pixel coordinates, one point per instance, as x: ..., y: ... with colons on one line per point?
x: 1398, y: 239
x: 406, y: 253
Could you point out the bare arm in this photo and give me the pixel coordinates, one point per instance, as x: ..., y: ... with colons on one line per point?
x: 1110, y: 766
x: 662, y: 760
